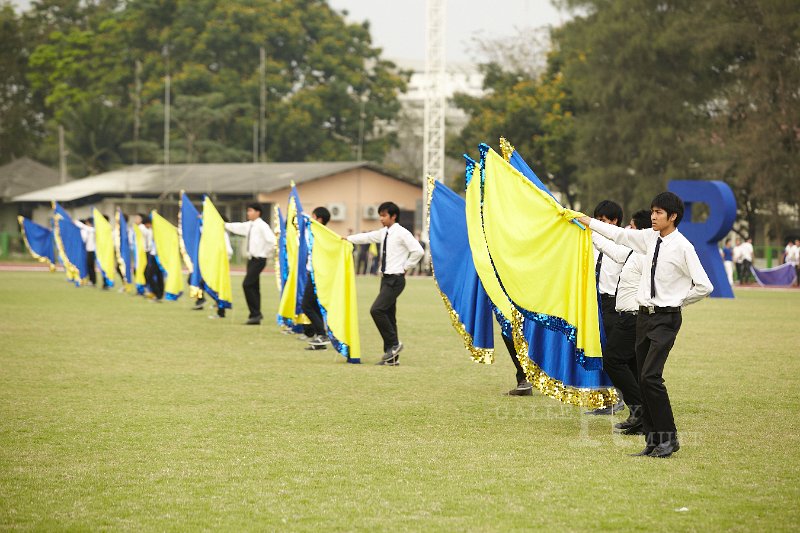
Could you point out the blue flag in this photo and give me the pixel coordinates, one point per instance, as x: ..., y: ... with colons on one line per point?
x: 189, y: 227
x: 39, y: 241
x: 69, y: 243
x: 123, y: 245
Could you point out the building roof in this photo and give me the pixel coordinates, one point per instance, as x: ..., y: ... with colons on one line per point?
x: 217, y: 178
x: 25, y: 175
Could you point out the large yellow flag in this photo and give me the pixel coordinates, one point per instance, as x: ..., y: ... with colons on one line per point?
x: 334, y: 277
x: 140, y: 260
x: 543, y: 261
x: 168, y: 253
x: 215, y: 269
x: 287, y: 309
x: 104, y: 246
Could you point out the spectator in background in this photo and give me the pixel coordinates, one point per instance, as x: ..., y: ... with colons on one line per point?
x: 747, y: 260
x: 727, y: 258
x: 737, y: 259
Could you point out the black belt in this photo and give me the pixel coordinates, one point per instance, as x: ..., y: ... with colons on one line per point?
x: 628, y: 313
x: 652, y: 309
x: 607, y: 296
x: 393, y: 275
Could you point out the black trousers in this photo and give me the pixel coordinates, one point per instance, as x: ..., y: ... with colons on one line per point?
x: 154, y: 276
x: 362, y: 264
x: 311, y: 309
x: 384, y: 308
x: 90, y: 260
x: 655, y: 336
x: 619, y: 362
x: 608, y: 308
x: 512, y: 351
x: 252, y: 285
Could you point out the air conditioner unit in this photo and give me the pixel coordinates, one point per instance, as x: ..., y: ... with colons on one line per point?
x: 370, y: 212
x: 338, y: 211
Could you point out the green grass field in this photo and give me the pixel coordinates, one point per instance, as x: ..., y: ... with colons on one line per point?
x: 116, y: 413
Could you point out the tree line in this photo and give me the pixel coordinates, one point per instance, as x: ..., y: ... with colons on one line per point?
x: 99, y: 69
x: 635, y: 93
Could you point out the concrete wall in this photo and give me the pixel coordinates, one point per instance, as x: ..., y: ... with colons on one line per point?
x: 355, y: 190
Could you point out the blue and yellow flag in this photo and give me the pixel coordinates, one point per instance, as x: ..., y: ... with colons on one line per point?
x: 104, y: 246
x: 168, y: 255
x: 279, y: 227
x: 334, y: 278
x: 139, y: 260
x: 189, y: 230
x: 39, y: 241
x: 123, y: 247
x: 290, y: 312
x: 546, y: 268
x: 215, y: 272
x: 454, y: 272
x: 70, y: 246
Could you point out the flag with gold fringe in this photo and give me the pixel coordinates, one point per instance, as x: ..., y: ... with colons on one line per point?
x: 139, y: 260
x: 168, y: 255
x: 290, y: 312
x: 189, y: 231
x: 547, y: 355
x: 334, y: 279
x: 214, y: 267
x: 124, y: 248
x: 104, y: 246
x: 70, y: 246
x: 454, y: 272
x: 39, y: 241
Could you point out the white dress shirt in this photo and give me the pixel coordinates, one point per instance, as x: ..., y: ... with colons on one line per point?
x: 87, y: 235
x: 630, y: 275
x: 747, y: 252
x: 609, y: 267
x: 260, y: 239
x: 403, y: 251
x: 679, y: 277
x: 149, y: 243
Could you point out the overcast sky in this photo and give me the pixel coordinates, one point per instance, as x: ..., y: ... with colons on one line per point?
x: 398, y: 26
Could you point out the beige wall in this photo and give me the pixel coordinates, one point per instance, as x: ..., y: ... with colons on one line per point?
x: 355, y: 189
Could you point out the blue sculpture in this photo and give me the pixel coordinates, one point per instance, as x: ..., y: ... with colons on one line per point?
x: 705, y: 235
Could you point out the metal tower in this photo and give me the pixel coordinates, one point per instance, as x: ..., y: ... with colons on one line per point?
x: 433, y: 128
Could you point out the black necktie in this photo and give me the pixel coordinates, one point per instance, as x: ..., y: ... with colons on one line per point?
x: 653, y: 270
x: 597, y: 267
x: 383, y: 252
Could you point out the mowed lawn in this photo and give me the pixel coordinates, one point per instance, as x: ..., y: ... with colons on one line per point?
x: 116, y: 413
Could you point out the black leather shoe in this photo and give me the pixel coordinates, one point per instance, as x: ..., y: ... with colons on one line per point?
x: 665, y: 449
x: 616, y: 408
x: 523, y: 389
x: 625, y: 424
x: 315, y: 347
x: 633, y: 430
x: 644, y: 453
x: 253, y: 322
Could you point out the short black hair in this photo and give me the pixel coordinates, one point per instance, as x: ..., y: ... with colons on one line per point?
x: 609, y: 209
x: 391, y: 210
x: 671, y: 203
x: 256, y: 206
x: 322, y: 214
x: 145, y: 218
x: 641, y: 219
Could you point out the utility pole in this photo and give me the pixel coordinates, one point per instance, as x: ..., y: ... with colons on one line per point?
x: 262, y: 74
x: 362, y: 117
x: 255, y: 142
x: 167, y: 83
x: 137, y: 110
x: 62, y: 156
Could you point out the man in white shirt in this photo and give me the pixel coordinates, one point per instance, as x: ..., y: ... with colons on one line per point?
x: 400, y: 252
x: 619, y: 353
x: 260, y: 244
x: 152, y: 272
x: 675, y: 279
x: 87, y: 236
x: 606, y: 272
x: 747, y: 260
